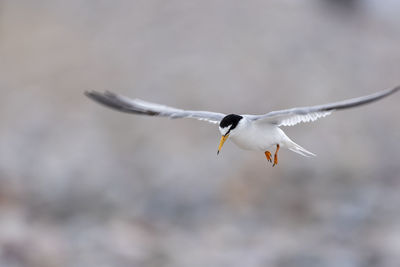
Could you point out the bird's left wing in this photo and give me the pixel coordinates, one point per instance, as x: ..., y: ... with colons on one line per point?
x: 293, y: 116
x: 140, y: 107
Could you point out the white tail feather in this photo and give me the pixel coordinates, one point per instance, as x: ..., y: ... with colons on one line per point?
x: 300, y: 150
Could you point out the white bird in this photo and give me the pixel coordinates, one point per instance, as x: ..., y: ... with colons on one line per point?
x: 251, y: 132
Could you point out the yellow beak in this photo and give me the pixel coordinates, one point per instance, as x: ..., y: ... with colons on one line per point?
x: 221, y: 143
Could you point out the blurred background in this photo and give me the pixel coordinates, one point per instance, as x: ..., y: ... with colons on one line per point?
x: 82, y: 185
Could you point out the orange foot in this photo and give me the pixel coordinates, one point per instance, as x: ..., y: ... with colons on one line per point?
x: 268, y: 155
x: 276, y: 156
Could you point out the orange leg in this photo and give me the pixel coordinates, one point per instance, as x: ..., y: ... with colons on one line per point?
x: 268, y: 155
x: 276, y: 156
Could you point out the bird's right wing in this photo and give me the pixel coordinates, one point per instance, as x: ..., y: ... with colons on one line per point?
x: 293, y: 116
x: 137, y: 106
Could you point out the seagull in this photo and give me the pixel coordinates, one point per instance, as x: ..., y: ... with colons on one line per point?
x: 249, y: 132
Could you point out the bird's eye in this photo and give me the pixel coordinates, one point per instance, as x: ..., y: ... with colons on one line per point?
x: 225, y: 130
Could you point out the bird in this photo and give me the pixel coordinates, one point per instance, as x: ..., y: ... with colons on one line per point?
x: 250, y: 132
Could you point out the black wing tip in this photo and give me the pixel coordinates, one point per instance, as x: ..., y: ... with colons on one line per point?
x: 107, y: 99
x: 94, y: 93
x: 96, y: 96
x: 388, y: 92
x: 113, y: 101
x: 89, y: 93
x: 397, y: 88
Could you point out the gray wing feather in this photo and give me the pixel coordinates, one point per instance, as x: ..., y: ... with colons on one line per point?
x: 289, y: 117
x: 140, y: 107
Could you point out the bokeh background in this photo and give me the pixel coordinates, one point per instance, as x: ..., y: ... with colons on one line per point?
x: 81, y: 185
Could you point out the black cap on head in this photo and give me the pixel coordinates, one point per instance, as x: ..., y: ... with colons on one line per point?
x: 231, y: 119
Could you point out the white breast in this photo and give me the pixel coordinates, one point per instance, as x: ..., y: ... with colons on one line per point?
x: 256, y: 136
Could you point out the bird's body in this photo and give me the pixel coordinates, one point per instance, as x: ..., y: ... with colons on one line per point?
x: 250, y: 132
x: 262, y: 136
x: 257, y: 136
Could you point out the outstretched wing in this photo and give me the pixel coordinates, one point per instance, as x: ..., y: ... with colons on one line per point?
x: 140, y: 107
x: 293, y: 116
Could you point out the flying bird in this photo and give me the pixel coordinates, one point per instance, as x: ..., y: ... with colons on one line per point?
x: 250, y: 132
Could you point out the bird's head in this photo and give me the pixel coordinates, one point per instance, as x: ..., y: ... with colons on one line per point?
x: 228, y: 126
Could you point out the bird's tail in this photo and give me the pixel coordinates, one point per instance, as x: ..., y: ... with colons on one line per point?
x: 299, y: 150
